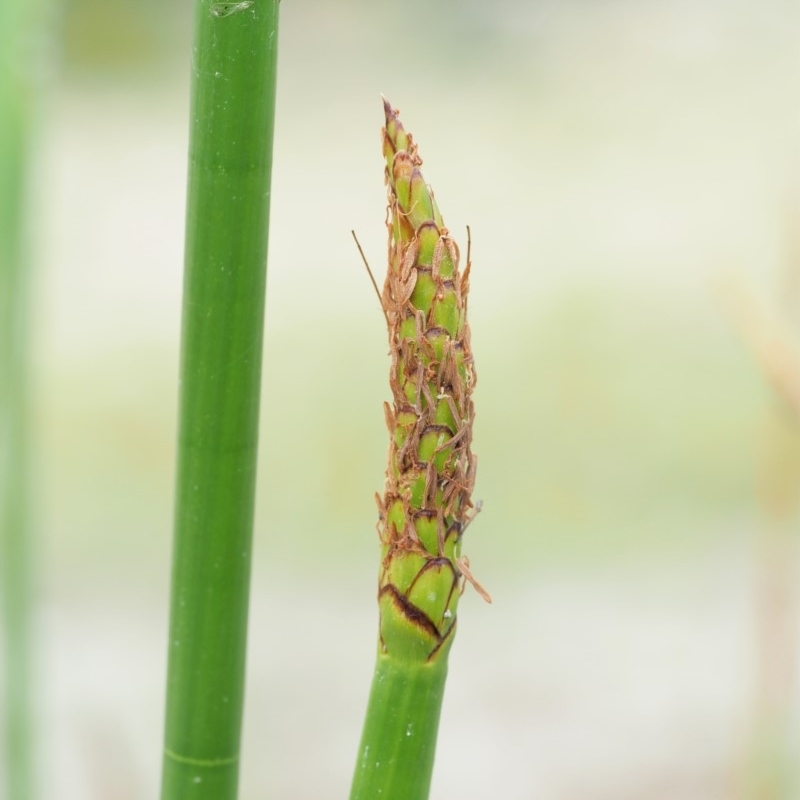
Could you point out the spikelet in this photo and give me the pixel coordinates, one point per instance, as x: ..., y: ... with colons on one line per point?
x: 426, y: 503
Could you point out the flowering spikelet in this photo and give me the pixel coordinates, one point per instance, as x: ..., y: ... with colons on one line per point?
x: 426, y: 503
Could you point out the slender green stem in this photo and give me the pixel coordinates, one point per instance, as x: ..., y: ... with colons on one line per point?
x: 16, y: 90
x: 398, y: 744
x: 426, y: 504
x: 232, y: 118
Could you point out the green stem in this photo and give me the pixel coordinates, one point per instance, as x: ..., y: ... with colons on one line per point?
x: 395, y: 758
x: 233, y: 94
x: 16, y: 89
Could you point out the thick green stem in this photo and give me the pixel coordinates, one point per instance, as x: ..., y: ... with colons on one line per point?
x: 232, y: 117
x: 395, y: 759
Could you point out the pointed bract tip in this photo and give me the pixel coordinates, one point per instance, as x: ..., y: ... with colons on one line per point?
x: 388, y: 110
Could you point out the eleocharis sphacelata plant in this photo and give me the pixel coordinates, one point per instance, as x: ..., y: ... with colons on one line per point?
x: 426, y: 504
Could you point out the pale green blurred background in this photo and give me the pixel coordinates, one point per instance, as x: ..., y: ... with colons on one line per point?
x: 614, y: 159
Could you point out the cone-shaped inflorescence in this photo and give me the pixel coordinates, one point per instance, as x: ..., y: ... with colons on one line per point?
x: 426, y: 503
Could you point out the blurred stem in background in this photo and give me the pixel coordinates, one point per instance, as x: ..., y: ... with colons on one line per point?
x: 774, y: 758
x: 230, y: 164
x: 427, y: 500
x: 771, y: 762
x: 17, y: 90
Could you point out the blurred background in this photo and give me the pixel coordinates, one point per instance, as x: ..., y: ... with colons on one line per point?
x: 626, y: 168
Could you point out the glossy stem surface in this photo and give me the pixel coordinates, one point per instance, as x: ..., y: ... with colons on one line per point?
x: 230, y: 161
x: 396, y: 754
